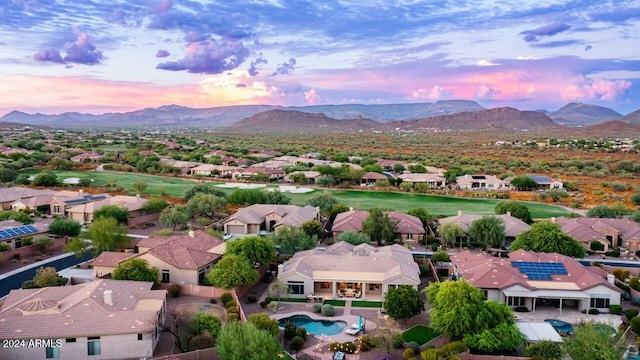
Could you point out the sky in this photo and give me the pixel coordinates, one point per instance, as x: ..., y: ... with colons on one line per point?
x: 97, y: 56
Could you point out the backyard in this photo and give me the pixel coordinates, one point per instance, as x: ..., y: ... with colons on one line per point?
x: 358, y: 199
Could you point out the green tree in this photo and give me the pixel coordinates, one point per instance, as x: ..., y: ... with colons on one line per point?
x: 589, y: 343
x: 450, y: 232
x: 155, y: 205
x: 524, y: 183
x: 292, y: 238
x: 354, y: 238
x: 201, y: 322
x: 277, y: 197
x: 257, y: 249
x: 22, y: 179
x: 546, y: 236
x: 313, y: 228
x: 140, y: 187
x: 602, y: 211
x: 546, y: 349
x: 440, y: 256
x: 635, y: 199
x: 46, y: 178
x: 17, y: 216
x: 244, y: 197
x: 278, y: 289
x: 239, y: 341
x: 207, y: 205
x: 403, y: 302
x: 7, y: 174
x: 77, y: 246
x: 516, y: 209
x: 488, y: 230
x: 398, y: 168
x: 113, y: 211
x: 65, y: 227
x: 177, y: 215
x: 136, y: 269
x: 232, y: 271
x: 107, y: 235
x: 299, y: 178
x: 422, y: 214
x: 48, y: 276
x: 204, y: 188
x: 379, y: 227
x: 263, y: 321
x: 325, y: 201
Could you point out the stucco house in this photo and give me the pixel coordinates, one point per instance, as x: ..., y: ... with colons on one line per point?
x: 13, y: 232
x: 434, y: 181
x: 512, y: 225
x: 64, y: 200
x: 310, y: 175
x: 11, y: 195
x: 481, y: 182
x: 533, y: 280
x: 343, y: 270
x: 252, y: 219
x: 83, y: 213
x: 102, y: 319
x: 370, y: 178
x: 214, y: 170
x: 409, y: 228
x: 611, y: 233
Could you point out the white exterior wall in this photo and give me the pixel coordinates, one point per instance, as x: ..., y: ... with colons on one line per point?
x: 308, y: 284
x: 175, y: 275
x: 112, y: 347
x: 601, y: 291
x: 494, y: 294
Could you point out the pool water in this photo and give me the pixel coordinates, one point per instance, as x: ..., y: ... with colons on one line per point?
x: 560, y: 326
x: 318, y: 327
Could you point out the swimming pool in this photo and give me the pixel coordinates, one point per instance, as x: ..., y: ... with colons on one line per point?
x: 560, y: 326
x: 317, y: 327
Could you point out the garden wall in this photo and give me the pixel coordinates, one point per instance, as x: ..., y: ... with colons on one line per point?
x: 469, y: 356
x: 204, y: 354
x: 26, y: 251
x: 210, y: 292
x: 141, y: 220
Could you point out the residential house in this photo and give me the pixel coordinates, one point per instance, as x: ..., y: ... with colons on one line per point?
x: 104, y: 264
x: 512, y: 225
x: 538, y: 280
x: 13, y: 232
x: 86, y: 157
x: 214, y: 170
x: 102, y: 319
x: 311, y: 176
x: 409, y: 228
x: 370, y: 178
x: 83, y: 213
x: 611, y: 233
x: 39, y: 203
x: 481, y: 182
x: 10, y: 195
x: 252, y: 219
x: 248, y: 173
x: 434, y: 181
x: 343, y: 270
x: 184, y: 166
x: 64, y: 200
x: 544, y: 182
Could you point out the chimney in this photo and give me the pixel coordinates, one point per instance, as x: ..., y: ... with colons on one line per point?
x: 138, y: 196
x: 459, y: 212
x: 192, y: 234
x: 108, y: 297
x: 350, y: 209
x: 611, y: 279
x: 280, y: 269
x: 509, y: 213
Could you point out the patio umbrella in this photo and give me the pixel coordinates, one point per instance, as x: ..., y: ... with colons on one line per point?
x: 360, y: 323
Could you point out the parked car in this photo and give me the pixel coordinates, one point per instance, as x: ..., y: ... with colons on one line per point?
x: 263, y: 232
x: 227, y: 236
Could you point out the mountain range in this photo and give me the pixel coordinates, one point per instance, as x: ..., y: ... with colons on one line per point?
x: 441, y: 115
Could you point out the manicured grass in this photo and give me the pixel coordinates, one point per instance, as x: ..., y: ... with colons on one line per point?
x: 366, y: 304
x: 420, y: 334
x: 296, y: 300
x: 357, y: 199
x: 335, y: 302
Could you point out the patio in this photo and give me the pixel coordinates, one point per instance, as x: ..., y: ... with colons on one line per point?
x: 568, y: 315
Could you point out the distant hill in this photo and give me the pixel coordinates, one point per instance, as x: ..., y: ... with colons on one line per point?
x: 633, y: 117
x: 290, y: 121
x: 505, y: 118
x: 574, y: 114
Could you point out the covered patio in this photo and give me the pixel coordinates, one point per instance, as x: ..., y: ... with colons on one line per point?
x: 348, y: 290
x: 558, y: 299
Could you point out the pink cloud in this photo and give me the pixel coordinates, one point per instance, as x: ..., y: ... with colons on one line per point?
x: 312, y: 96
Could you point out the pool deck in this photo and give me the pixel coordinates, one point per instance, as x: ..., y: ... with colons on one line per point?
x: 569, y: 316
x: 342, y: 337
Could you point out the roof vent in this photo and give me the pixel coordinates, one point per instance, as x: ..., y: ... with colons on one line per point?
x: 108, y: 297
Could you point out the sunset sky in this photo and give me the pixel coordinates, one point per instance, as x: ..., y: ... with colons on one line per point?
x: 101, y: 56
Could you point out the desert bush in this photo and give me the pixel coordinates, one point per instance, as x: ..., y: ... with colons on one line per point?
x: 232, y: 306
x: 615, y: 309
x: 349, y: 347
x: 408, y: 354
x: 327, y: 310
x: 455, y: 347
x: 594, y: 311
x: 290, y: 330
x: 225, y: 298
x: 233, y: 316
x: 297, y: 343
x: 301, y: 332
x: 252, y: 298
x: 397, y: 341
x: 631, y: 313
x: 621, y: 274
x: 317, y: 308
x: 201, y: 341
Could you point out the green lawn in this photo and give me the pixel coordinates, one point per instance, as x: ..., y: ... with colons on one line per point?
x: 366, y: 304
x: 358, y: 199
x: 420, y: 334
x: 336, y: 302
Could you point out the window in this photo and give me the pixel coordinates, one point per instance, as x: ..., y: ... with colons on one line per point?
x: 139, y: 337
x: 52, y: 352
x: 409, y: 236
x: 515, y: 301
x: 165, y: 276
x: 18, y: 244
x: 57, y: 209
x: 93, y: 346
x: 201, y: 276
x: 296, y: 287
x: 70, y: 340
x: 600, y: 303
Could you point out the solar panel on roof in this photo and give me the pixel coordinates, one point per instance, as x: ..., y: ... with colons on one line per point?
x: 540, y: 270
x: 22, y: 230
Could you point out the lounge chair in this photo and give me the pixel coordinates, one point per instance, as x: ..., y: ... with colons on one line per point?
x: 353, y: 330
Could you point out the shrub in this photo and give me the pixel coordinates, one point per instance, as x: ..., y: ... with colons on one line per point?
x: 301, y: 332
x: 201, y: 341
x: 4, y: 247
x: 317, y: 308
x: 372, y: 341
x: 334, y: 346
x: 297, y: 343
x: 213, y: 301
x: 631, y: 313
x: 26, y: 241
x: 174, y: 290
x: 521, y: 309
x: 434, y: 247
x: 545, y: 350
x: 290, y: 330
x: 264, y: 303
x: 397, y: 340
x: 327, y: 310
x: 455, y: 347
x: 615, y: 309
x: 233, y: 316
x: 621, y: 274
x: 232, y: 306
x: 596, y: 246
x: 252, y: 298
x: 413, y: 345
x: 225, y: 298
x: 349, y: 347
x: 594, y: 311
x: 408, y: 354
